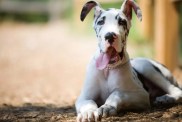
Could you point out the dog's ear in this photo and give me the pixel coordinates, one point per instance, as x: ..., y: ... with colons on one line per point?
x: 87, y: 7
x: 127, y: 7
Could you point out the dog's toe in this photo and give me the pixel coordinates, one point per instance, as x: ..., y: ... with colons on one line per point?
x: 97, y: 116
x: 79, y: 117
x: 85, y: 117
x: 88, y: 116
x: 107, y: 110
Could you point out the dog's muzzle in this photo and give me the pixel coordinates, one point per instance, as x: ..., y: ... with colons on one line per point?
x: 111, y: 56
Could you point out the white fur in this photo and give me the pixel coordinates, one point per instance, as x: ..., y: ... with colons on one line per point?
x: 111, y: 25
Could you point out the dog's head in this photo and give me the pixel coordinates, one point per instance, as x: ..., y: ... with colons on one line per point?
x: 112, y: 25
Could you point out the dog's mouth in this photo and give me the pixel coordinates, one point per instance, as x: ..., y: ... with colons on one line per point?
x: 109, y: 57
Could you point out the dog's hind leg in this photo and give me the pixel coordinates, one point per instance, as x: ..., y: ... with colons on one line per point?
x: 161, y: 77
x: 165, y: 72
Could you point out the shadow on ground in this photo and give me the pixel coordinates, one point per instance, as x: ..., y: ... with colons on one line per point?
x: 41, y: 113
x: 45, y: 113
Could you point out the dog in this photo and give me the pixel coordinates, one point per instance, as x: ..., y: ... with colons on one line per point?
x: 114, y: 82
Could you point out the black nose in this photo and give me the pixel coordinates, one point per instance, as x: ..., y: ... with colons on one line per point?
x: 110, y: 36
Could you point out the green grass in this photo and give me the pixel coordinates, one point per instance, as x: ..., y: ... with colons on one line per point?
x: 111, y: 5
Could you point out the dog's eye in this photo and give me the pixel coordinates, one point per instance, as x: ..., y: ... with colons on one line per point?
x: 121, y: 21
x: 101, y: 22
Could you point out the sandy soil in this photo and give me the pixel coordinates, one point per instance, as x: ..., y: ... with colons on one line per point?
x: 42, y: 63
x: 42, y: 67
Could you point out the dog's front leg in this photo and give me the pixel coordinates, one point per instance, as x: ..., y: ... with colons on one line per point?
x: 86, y: 103
x: 122, y: 100
x: 86, y: 106
x: 111, y: 106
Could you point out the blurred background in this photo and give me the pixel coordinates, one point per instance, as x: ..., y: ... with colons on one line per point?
x: 44, y: 47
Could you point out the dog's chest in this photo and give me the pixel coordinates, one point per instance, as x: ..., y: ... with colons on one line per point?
x: 105, y: 91
x: 123, y: 79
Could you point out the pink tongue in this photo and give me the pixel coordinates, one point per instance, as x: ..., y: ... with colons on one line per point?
x: 103, y: 60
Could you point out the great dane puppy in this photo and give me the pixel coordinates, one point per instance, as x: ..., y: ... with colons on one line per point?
x: 114, y: 82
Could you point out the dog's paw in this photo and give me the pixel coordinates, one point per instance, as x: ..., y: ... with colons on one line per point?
x: 178, y: 96
x: 165, y: 99
x: 106, y: 110
x: 88, y: 116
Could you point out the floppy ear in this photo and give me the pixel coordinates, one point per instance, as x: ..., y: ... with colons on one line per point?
x: 127, y: 7
x: 87, y: 7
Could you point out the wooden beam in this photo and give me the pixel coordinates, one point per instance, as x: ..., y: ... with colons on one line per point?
x: 147, y: 23
x: 166, y: 33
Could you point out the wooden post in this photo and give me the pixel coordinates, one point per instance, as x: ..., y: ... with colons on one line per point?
x: 147, y: 23
x: 166, y: 33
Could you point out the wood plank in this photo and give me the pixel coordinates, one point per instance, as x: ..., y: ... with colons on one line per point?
x: 166, y: 33
x: 147, y: 7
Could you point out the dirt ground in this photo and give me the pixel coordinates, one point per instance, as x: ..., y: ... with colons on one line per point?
x: 42, y: 67
x: 53, y: 113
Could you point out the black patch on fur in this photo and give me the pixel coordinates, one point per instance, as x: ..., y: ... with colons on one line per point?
x: 161, y: 64
x: 121, y: 54
x: 157, y: 69
x: 99, y: 29
x: 171, y: 79
x: 101, y: 21
x: 98, y: 17
x: 127, y: 32
x: 117, y: 16
x: 122, y: 22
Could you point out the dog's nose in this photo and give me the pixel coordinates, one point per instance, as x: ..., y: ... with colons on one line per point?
x: 110, y: 36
